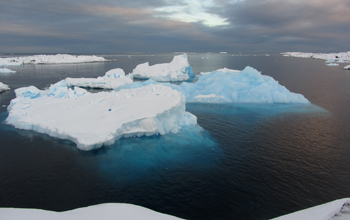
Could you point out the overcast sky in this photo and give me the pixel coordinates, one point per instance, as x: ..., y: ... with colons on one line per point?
x: 116, y: 26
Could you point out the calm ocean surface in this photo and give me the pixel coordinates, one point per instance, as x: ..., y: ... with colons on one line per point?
x: 241, y: 162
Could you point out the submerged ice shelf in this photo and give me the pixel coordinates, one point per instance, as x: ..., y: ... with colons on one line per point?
x: 94, y: 119
x: 177, y: 70
x: 49, y: 59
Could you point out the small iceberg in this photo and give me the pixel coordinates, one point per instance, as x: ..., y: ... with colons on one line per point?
x: 49, y: 59
x: 3, y: 87
x: 332, y: 64
x: 5, y: 70
x: 330, y: 57
x: 177, y: 70
x: 347, y: 67
x: 95, y: 119
x: 111, y: 80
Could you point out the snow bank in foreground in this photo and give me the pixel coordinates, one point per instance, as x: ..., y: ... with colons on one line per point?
x: 111, y: 80
x: 4, y: 87
x: 107, y: 211
x: 177, y: 70
x: 5, y: 70
x: 54, y: 59
x: 337, y: 57
x: 338, y: 209
x: 231, y: 86
x: 93, y: 119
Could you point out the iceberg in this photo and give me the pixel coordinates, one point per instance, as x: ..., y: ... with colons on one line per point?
x: 338, y: 209
x: 106, y: 211
x: 232, y: 86
x: 332, y: 64
x: 347, y: 67
x: 94, y: 119
x: 111, y: 80
x: 5, y: 70
x: 49, y: 59
x: 177, y: 70
x: 339, y: 57
x: 4, y: 87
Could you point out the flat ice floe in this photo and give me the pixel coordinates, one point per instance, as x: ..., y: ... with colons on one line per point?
x: 347, y: 67
x: 335, y: 210
x: 111, y: 80
x: 5, y: 70
x: 49, y: 59
x: 177, y: 70
x: 4, y: 87
x: 336, y: 57
x: 107, y: 211
x: 94, y: 119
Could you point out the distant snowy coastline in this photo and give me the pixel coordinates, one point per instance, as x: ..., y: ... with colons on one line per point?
x: 336, y: 57
x: 49, y: 59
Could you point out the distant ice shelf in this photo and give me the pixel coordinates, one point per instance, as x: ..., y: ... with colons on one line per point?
x: 177, y: 70
x: 5, y: 70
x: 49, y: 59
x: 111, y: 80
x: 3, y: 87
x: 330, y: 57
x: 95, y: 119
x: 106, y: 211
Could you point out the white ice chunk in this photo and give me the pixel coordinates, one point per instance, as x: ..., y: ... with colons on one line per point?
x: 94, y: 119
x: 347, y: 67
x: 177, y: 70
x: 111, y: 80
x: 225, y: 70
x: 5, y: 70
x: 52, y: 59
x: 246, y: 86
x: 338, y: 209
x: 107, y: 211
x: 330, y: 57
x: 4, y: 87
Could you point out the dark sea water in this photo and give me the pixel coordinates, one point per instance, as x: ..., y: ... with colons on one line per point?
x: 240, y: 162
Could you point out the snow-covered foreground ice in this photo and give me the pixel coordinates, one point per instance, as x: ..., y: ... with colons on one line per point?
x: 177, y: 70
x: 4, y: 87
x: 111, y: 80
x: 46, y: 59
x: 336, y: 57
x: 335, y: 210
x: 94, y: 119
x: 232, y: 86
x: 107, y: 211
x: 5, y: 70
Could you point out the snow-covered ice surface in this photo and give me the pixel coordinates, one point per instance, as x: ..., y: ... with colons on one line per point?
x: 107, y: 211
x: 225, y: 70
x: 94, y: 119
x: 111, y: 80
x: 339, y: 57
x: 4, y: 87
x: 226, y: 86
x: 5, y: 70
x: 177, y: 70
x: 335, y: 210
x: 49, y: 59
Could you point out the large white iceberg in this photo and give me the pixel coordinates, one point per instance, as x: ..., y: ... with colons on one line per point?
x: 111, y: 80
x: 5, y: 70
x: 49, y: 59
x: 4, y: 87
x: 94, y: 119
x: 107, y: 211
x: 335, y: 210
x: 232, y: 86
x: 336, y: 57
x: 177, y: 70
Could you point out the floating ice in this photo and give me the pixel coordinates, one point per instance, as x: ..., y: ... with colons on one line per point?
x: 107, y: 211
x: 347, y: 67
x: 5, y: 70
x: 54, y: 59
x: 332, y: 64
x: 111, y: 80
x: 341, y: 57
x: 338, y: 209
x: 225, y: 70
x: 4, y: 87
x: 93, y: 119
x: 246, y: 86
x: 177, y: 70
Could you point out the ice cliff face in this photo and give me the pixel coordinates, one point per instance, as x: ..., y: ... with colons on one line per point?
x: 94, y: 119
x: 177, y: 70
